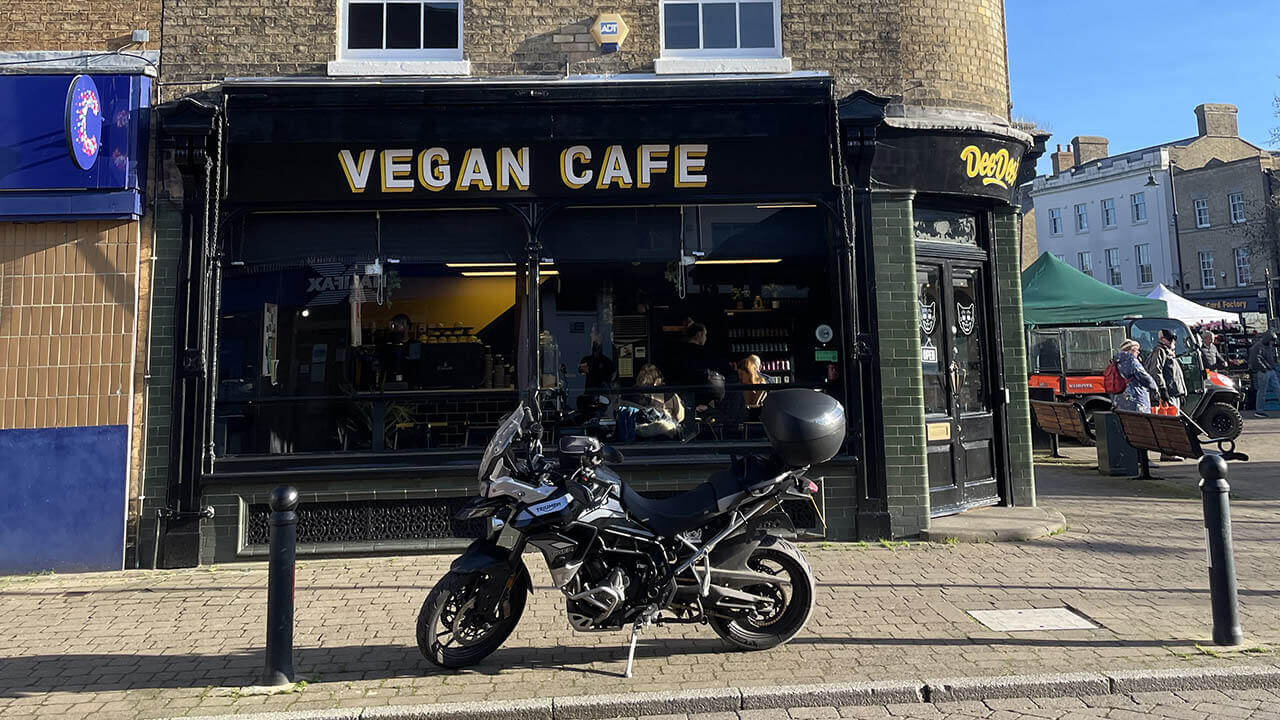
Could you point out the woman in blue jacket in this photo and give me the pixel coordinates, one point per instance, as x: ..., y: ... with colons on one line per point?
x: 1137, y: 393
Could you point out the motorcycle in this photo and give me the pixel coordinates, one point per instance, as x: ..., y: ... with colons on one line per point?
x: 619, y: 558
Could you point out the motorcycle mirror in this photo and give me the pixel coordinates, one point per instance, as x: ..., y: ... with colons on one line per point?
x: 602, y: 399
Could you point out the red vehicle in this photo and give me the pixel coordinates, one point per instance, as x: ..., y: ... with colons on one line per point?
x: 1069, y: 360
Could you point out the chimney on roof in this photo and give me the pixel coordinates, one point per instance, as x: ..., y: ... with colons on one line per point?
x: 1089, y: 148
x: 1062, y: 160
x: 1216, y: 119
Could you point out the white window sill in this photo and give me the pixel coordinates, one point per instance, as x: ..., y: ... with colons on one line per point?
x: 719, y: 66
x: 451, y: 68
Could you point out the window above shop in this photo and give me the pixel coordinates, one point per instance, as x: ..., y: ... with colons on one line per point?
x: 399, y: 37
x: 1202, y: 212
x: 721, y: 37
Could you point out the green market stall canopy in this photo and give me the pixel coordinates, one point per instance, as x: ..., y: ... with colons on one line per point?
x: 1055, y: 293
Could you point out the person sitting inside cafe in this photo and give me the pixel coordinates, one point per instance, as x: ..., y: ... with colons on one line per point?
x: 661, y: 413
x: 749, y: 374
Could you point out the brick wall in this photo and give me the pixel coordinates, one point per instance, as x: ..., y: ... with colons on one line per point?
x: 67, y: 303
x: 1013, y: 354
x: 941, y: 52
x: 902, y: 385
x: 76, y: 24
x: 1214, y: 184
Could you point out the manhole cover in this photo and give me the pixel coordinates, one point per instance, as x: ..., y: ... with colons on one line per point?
x: 1037, y: 619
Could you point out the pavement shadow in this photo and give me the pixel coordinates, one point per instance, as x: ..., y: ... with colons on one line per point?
x: 89, y: 672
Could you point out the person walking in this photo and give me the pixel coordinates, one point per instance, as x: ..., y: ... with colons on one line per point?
x: 1163, y: 366
x: 1262, y: 363
x: 1138, y: 382
x: 1165, y: 369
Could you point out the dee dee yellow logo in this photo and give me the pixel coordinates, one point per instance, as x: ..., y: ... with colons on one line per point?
x: 995, y: 168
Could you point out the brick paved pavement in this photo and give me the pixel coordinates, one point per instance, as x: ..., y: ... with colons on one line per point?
x: 157, y: 643
x: 1195, y: 705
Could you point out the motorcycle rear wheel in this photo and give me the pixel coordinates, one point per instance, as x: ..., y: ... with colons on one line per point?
x: 450, y: 636
x: 783, y: 623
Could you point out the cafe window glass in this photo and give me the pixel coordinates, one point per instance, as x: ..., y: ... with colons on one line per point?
x: 945, y: 226
x: 673, y: 326
x: 398, y: 333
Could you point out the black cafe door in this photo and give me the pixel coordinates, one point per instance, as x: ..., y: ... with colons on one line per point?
x: 955, y: 356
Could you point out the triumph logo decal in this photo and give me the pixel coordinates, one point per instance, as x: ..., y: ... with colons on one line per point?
x: 928, y: 317
x: 995, y: 168
x: 550, y: 507
x: 966, y: 317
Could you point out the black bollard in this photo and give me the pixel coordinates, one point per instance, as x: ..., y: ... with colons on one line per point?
x: 284, y: 540
x: 1222, y: 563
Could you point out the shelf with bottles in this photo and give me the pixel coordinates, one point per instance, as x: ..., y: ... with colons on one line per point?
x: 759, y: 340
x: 781, y: 370
x: 761, y: 349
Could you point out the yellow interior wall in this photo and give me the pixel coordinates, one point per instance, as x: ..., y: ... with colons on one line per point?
x: 469, y: 301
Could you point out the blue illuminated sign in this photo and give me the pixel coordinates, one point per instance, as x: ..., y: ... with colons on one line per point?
x: 84, y: 121
x: 73, y: 145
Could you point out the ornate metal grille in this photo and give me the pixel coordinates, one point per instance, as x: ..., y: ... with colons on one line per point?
x: 370, y: 521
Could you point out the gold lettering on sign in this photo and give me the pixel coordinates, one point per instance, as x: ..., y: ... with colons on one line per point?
x: 995, y: 168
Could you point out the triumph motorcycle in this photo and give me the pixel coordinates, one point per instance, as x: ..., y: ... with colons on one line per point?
x: 620, y: 558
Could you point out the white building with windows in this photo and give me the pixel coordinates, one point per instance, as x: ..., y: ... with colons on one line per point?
x: 1115, y: 216
x: 1109, y: 216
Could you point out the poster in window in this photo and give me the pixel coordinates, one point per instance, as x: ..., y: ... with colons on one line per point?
x: 270, y: 323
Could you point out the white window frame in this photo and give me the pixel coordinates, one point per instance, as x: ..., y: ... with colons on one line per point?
x: 1138, y: 201
x: 1108, y: 210
x: 719, y: 53
x: 1085, y: 258
x: 1146, y: 276
x: 1244, y: 271
x: 1207, y: 279
x: 396, y: 55
x: 1235, y: 201
x: 1115, y: 278
x: 1055, y: 221
x: 1082, y: 217
x: 1201, y: 206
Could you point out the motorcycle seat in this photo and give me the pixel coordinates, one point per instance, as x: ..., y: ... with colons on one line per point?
x: 693, y: 508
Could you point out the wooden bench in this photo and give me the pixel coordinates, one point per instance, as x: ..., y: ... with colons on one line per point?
x: 1058, y: 418
x: 1170, y: 435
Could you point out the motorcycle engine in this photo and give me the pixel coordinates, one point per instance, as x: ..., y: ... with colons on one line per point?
x: 607, y: 591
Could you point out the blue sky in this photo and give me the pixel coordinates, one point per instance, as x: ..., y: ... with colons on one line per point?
x: 1133, y: 70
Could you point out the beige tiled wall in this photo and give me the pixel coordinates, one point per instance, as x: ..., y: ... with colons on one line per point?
x: 67, y: 304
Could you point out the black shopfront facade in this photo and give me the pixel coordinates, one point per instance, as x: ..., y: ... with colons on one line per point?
x: 393, y: 266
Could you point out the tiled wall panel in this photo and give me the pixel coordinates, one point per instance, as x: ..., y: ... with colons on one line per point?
x: 67, y: 304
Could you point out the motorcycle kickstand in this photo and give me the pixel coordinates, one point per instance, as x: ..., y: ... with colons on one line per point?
x: 640, y: 623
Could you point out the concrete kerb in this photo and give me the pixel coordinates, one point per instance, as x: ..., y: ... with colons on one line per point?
x: 601, y: 707
x: 836, y: 695
x: 986, y: 688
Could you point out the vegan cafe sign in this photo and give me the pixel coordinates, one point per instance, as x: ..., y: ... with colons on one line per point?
x: 610, y: 167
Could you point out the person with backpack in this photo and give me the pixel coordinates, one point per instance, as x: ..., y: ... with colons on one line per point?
x: 1129, y: 384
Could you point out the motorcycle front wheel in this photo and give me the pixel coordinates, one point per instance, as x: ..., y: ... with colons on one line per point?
x: 786, y: 615
x: 454, y: 633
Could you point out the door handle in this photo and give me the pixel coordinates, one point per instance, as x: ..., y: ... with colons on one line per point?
x: 955, y: 378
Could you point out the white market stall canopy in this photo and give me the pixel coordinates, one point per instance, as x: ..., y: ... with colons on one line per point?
x: 1189, y: 312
